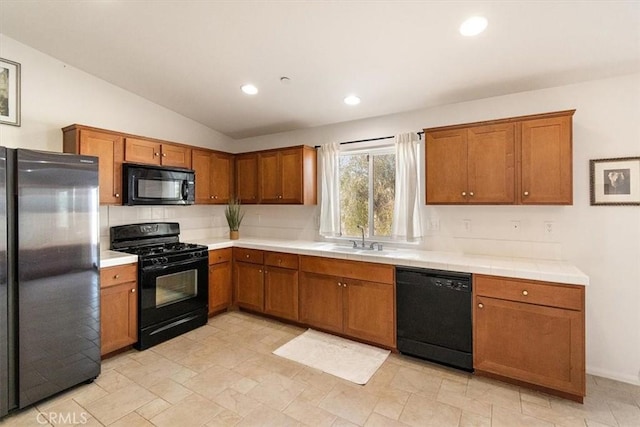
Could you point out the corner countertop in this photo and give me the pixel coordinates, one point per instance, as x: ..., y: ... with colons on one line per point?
x: 522, y: 268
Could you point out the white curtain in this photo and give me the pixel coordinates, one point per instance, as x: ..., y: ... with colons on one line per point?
x: 330, y: 190
x: 407, y: 224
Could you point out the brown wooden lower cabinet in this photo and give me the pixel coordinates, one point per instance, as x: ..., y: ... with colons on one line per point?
x: 118, y: 307
x: 219, y: 280
x: 249, y: 285
x: 348, y: 305
x: 281, y: 285
x: 530, y: 332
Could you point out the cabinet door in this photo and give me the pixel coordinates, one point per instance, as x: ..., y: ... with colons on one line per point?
x: 369, y: 311
x: 141, y: 151
x: 118, y: 316
x: 291, y: 176
x: 249, y: 285
x: 221, y: 177
x: 547, y: 176
x: 321, y: 301
x: 491, y: 164
x: 532, y: 343
x: 109, y: 149
x: 201, y: 163
x: 269, y: 177
x: 247, y: 178
x: 219, y: 287
x: 281, y: 292
x: 446, y: 167
x: 175, y: 155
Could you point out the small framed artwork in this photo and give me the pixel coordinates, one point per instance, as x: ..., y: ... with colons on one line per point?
x: 9, y: 92
x: 615, y: 182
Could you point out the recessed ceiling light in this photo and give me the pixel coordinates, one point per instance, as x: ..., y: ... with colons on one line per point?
x: 473, y: 26
x: 249, y: 89
x: 352, y: 100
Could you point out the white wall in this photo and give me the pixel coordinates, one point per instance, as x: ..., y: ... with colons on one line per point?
x: 55, y: 95
x: 603, y: 241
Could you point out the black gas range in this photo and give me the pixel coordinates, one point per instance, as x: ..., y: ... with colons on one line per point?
x: 173, y: 280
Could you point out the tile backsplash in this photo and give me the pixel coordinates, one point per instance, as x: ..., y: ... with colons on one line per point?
x: 499, y: 231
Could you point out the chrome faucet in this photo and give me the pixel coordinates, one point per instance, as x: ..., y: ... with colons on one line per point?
x: 362, y: 229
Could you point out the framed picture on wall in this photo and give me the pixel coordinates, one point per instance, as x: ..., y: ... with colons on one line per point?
x: 615, y: 182
x: 9, y: 92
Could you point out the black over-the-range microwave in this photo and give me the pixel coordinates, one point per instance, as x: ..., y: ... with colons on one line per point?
x: 157, y: 185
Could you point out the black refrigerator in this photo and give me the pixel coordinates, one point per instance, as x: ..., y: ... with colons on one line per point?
x: 49, y: 275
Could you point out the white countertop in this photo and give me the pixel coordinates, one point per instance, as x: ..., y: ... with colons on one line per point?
x: 534, y: 269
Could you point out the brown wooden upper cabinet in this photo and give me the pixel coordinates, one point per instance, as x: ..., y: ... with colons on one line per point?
x: 214, y: 176
x: 519, y: 160
x: 288, y: 176
x: 151, y: 152
x: 280, y: 176
x: 247, y: 178
x: 108, y: 147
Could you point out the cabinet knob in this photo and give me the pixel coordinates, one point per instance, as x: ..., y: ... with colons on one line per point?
x: 471, y: 194
x: 164, y: 154
x: 464, y: 193
x: 344, y: 285
x: 117, y: 195
x: 481, y: 305
x: 526, y: 193
x: 156, y: 154
x: 211, y: 197
x: 339, y: 284
x: 215, y: 197
x: 133, y: 291
x: 260, y: 271
x: 247, y: 255
x: 525, y: 292
x: 279, y: 197
x: 117, y: 276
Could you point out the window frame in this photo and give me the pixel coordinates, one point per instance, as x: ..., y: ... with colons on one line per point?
x: 379, y: 148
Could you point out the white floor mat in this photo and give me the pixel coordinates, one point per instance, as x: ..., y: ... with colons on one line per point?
x: 353, y: 361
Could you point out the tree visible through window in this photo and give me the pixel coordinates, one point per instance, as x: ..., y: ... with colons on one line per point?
x: 367, y: 189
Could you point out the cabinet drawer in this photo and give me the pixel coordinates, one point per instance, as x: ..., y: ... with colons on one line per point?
x: 381, y: 273
x: 527, y: 291
x: 279, y: 259
x: 111, y: 276
x: 248, y: 255
x: 219, y: 256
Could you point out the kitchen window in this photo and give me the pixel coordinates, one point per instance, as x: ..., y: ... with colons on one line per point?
x: 367, y: 190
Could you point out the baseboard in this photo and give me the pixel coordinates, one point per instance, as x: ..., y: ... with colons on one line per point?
x: 613, y: 376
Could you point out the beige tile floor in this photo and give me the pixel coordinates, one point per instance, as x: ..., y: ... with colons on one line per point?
x: 224, y: 374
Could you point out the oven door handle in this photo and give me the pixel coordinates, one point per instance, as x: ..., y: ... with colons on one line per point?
x: 193, y: 261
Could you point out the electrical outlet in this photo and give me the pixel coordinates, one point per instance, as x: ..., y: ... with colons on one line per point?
x: 466, y: 225
x: 548, y: 228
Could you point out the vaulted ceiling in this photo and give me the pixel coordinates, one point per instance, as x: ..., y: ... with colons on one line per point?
x: 193, y: 56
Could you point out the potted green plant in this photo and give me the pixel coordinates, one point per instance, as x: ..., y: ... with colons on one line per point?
x: 234, y: 216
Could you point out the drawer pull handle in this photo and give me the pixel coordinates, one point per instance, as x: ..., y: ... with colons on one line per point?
x: 481, y: 305
x: 117, y: 276
x: 525, y: 293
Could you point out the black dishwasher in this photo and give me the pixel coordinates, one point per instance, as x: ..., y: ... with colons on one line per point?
x: 434, y: 316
